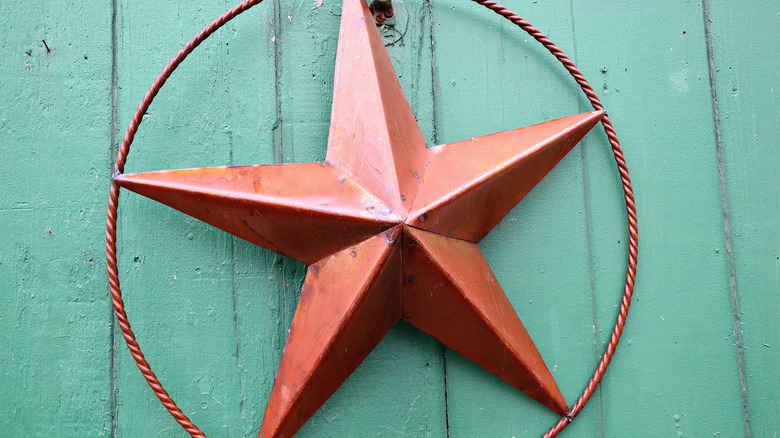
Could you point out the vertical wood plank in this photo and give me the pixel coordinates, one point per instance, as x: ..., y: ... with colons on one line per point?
x: 491, y: 77
x: 178, y: 273
x: 262, y: 280
x: 675, y: 371
x: 55, y: 107
x: 745, y: 62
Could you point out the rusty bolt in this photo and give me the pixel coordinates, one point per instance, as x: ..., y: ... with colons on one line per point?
x: 382, y: 10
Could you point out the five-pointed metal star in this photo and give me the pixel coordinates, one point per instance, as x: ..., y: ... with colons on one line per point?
x: 389, y: 228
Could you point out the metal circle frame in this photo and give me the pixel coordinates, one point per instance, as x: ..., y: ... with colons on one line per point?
x: 121, y: 159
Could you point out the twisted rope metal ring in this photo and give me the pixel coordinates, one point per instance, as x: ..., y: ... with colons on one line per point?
x: 113, y: 205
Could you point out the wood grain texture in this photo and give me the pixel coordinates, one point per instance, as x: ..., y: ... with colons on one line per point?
x: 55, y: 320
x: 178, y: 272
x: 212, y: 312
x: 677, y: 356
x: 748, y: 112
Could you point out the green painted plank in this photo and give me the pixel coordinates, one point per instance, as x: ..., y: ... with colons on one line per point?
x: 491, y: 77
x: 745, y: 58
x: 398, y: 390
x: 260, y: 277
x: 178, y: 273
x: 55, y: 109
x: 675, y: 372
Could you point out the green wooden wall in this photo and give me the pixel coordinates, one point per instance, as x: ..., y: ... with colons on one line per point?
x: 690, y: 86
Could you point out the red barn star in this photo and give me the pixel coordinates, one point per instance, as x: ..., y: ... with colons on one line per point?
x: 388, y: 227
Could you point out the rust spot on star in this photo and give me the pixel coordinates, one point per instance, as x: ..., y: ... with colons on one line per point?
x: 258, y: 185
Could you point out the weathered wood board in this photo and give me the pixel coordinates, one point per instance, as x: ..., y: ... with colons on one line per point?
x: 690, y: 87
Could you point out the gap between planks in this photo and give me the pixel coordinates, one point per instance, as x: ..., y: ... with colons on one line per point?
x: 114, y: 147
x: 429, y: 9
x: 589, y: 236
x: 726, y: 212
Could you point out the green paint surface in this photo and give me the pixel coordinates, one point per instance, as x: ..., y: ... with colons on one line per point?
x: 749, y: 118
x: 690, y: 87
x: 55, y: 124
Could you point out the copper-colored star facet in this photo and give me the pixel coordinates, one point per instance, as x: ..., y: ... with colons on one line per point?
x: 389, y: 228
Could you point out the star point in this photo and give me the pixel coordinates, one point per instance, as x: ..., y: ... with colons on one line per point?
x: 485, y: 177
x: 305, y: 211
x: 388, y: 227
x: 369, y: 107
x: 450, y: 293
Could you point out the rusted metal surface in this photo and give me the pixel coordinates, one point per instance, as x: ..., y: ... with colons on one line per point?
x: 349, y: 302
x: 305, y: 211
x: 450, y: 293
x: 388, y: 226
x: 469, y: 186
x: 373, y: 133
